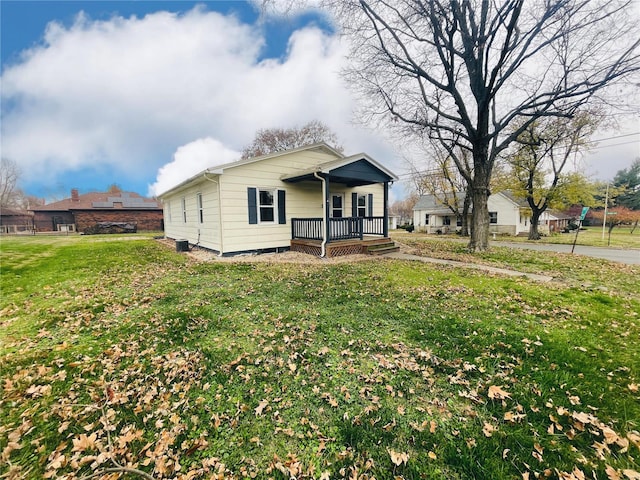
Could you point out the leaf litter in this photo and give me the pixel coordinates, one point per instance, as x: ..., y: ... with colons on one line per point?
x: 276, y: 395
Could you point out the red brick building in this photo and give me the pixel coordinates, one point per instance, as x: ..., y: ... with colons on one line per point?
x: 15, y: 221
x: 83, y: 212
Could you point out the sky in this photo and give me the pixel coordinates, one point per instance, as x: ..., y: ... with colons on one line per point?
x: 145, y: 94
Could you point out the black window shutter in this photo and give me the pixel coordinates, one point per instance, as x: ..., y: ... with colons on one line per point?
x: 252, y: 195
x: 370, y: 205
x: 354, y: 204
x: 282, y: 213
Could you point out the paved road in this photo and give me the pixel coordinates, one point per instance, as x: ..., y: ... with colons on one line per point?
x: 628, y: 256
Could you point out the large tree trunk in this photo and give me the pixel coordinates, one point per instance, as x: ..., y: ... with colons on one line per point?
x: 464, y: 231
x: 479, y: 220
x: 534, y: 234
x: 479, y: 195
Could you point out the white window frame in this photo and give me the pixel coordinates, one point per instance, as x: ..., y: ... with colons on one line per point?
x: 200, y: 208
x: 493, y: 218
x: 273, y: 206
x: 426, y: 219
x: 169, y: 216
x: 183, y: 204
x: 334, y: 209
x: 362, y: 207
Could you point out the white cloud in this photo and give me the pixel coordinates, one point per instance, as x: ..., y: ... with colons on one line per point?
x: 126, y: 93
x: 189, y: 160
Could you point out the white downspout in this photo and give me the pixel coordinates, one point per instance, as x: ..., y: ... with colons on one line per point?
x: 219, y: 211
x: 323, y: 246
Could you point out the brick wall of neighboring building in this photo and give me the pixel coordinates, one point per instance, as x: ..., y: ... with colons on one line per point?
x: 46, y: 221
x: 146, y: 220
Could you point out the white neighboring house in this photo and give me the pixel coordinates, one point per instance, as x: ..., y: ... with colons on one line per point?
x: 507, y: 215
x: 308, y: 199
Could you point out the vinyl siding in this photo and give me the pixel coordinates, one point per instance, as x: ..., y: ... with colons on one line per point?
x: 205, y: 234
x: 303, y: 200
x: 508, y: 215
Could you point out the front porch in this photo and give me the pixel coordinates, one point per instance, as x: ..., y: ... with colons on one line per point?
x: 346, y: 236
x: 368, y: 245
x: 345, y: 228
x: 318, y: 235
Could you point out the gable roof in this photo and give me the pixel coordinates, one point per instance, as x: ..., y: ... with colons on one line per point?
x: 341, y: 161
x: 508, y: 194
x: 219, y: 169
x: 434, y: 205
x: 102, y: 201
x: 355, y: 170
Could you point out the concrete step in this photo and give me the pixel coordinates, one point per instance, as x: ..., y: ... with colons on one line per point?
x: 382, y: 248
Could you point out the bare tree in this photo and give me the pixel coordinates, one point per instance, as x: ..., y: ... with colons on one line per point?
x: 404, y: 208
x: 473, y: 75
x: 539, y: 164
x: 445, y: 182
x: 9, y: 176
x: 273, y: 140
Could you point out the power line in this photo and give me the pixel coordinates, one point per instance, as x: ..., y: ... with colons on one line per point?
x: 430, y: 172
x: 615, y: 144
x: 614, y: 137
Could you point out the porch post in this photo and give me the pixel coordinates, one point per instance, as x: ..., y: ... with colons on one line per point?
x: 385, y: 225
x: 327, y: 208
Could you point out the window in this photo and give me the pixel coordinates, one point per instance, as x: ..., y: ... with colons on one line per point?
x: 337, y: 205
x: 169, y: 211
x: 362, y: 205
x: 426, y: 219
x: 184, y: 209
x: 200, y: 209
x: 446, y: 221
x: 493, y: 217
x: 458, y: 221
x: 266, y: 205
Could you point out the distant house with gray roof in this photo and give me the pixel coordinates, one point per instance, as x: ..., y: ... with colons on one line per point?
x: 508, y: 215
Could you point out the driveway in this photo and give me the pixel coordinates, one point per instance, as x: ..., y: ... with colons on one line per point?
x: 628, y: 256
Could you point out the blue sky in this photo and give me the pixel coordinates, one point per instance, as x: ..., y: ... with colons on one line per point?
x: 64, y: 135
x: 147, y: 93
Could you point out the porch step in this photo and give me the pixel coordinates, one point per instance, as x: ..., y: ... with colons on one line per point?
x: 382, y: 247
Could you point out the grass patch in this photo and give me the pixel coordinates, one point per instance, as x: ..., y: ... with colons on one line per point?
x: 580, y: 272
x: 129, y: 351
x: 621, y: 237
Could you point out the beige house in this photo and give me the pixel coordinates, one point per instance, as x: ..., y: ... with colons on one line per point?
x: 311, y: 199
x: 507, y: 215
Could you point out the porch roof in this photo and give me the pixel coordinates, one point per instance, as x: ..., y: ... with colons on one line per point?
x: 352, y: 171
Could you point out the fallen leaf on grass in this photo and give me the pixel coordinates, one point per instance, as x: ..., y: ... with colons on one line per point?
x: 398, y: 458
x: 261, y: 406
x: 612, y: 473
x: 631, y: 474
x: 84, y: 442
x: 634, y: 437
x: 488, y: 429
x: 498, y: 393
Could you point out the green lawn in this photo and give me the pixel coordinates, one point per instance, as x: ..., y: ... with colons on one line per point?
x: 116, y: 352
x: 621, y: 237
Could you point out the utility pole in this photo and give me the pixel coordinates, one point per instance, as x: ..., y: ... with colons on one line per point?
x: 606, y: 203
